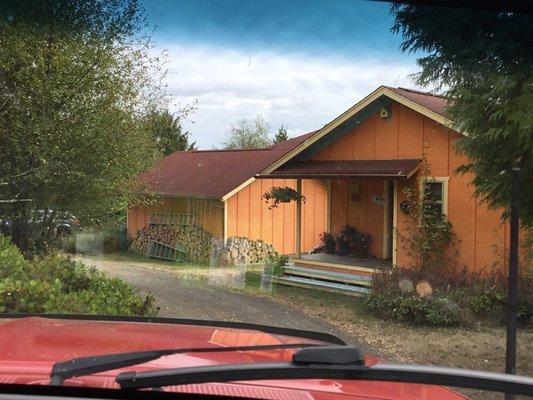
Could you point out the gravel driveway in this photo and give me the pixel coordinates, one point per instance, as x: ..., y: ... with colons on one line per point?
x: 180, y: 297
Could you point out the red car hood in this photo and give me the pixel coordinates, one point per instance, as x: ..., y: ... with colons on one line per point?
x: 30, y: 346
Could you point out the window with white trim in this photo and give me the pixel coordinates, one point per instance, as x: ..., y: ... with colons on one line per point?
x: 435, y: 197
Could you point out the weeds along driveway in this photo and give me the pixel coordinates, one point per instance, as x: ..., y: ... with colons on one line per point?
x: 203, y: 293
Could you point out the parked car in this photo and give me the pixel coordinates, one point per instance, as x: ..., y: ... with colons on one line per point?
x: 64, y: 223
x: 67, y: 225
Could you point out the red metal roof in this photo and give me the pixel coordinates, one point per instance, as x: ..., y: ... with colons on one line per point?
x: 433, y: 102
x: 346, y: 168
x: 211, y: 173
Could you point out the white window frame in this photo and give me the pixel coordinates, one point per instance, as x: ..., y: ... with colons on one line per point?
x: 440, y: 179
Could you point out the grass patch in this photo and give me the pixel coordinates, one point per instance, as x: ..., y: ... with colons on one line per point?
x: 253, y: 279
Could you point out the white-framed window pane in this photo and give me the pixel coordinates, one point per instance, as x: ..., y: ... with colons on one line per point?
x: 434, y: 198
x: 435, y: 191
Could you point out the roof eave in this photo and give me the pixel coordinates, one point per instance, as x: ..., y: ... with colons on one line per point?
x: 238, y: 188
x: 380, y: 91
x: 334, y: 175
x: 179, y: 196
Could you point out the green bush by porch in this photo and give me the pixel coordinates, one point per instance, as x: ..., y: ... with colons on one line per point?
x: 455, y: 298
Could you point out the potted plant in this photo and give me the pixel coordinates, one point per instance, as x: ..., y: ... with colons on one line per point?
x: 278, y: 194
x: 351, y: 241
x: 328, y: 242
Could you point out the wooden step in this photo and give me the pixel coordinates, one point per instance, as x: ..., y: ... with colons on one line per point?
x: 353, y: 279
x: 307, y: 283
x: 341, y: 268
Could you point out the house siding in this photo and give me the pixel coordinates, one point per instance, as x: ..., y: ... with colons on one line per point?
x: 362, y: 213
x: 483, y: 237
x: 209, y: 213
x: 248, y: 215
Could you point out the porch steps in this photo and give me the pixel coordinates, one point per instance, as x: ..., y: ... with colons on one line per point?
x: 308, y: 283
x: 335, y: 268
x: 337, y: 282
x: 359, y: 280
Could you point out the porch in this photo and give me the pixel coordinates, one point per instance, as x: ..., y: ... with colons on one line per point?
x: 362, y: 194
x: 334, y: 261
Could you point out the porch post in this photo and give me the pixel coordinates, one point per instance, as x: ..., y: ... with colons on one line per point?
x: 298, y: 220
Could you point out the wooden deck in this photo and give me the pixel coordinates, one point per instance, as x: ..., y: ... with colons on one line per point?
x: 341, y: 264
x: 375, y: 263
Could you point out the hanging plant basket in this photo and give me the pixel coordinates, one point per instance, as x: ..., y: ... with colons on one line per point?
x: 406, y: 207
x: 285, y: 194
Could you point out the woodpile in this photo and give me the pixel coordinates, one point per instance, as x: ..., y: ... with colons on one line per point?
x: 194, y: 239
x: 202, y: 247
x: 241, y: 250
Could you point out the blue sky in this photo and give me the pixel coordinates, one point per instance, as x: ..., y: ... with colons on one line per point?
x: 297, y: 63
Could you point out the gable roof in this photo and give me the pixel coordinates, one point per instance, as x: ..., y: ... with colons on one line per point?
x: 433, y: 102
x: 221, y: 173
x: 427, y: 104
x: 211, y: 173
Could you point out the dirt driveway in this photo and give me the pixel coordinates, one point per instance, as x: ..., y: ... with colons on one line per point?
x: 180, y: 297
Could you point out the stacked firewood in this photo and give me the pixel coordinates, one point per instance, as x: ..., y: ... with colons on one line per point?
x: 241, y: 250
x: 195, y: 241
x: 160, y: 233
x: 202, y: 247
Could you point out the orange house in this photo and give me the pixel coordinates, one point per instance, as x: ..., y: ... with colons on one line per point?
x: 351, y: 171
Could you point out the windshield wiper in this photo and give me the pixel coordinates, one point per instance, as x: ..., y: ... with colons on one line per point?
x: 328, y: 362
x: 90, y: 365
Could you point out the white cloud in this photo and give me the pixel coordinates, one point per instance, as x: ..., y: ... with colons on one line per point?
x: 301, y: 92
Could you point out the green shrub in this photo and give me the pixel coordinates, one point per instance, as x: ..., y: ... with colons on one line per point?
x: 56, y: 284
x: 277, y: 264
x: 28, y: 295
x: 456, y: 298
x: 11, y: 260
x: 416, y: 310
x: 105, y: 296
x: 525, y: 301
x: 486, y: 303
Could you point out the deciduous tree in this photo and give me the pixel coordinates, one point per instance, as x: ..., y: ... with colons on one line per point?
x: 248, y: 134
x: 76, y: 77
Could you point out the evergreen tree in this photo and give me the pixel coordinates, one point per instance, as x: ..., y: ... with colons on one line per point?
x: 484, y: 60
x: 282, y: 135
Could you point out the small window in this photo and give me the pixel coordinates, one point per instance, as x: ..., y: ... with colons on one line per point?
x: 434, y: 199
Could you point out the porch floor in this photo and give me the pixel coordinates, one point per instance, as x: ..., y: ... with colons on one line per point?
x: 375, y: 263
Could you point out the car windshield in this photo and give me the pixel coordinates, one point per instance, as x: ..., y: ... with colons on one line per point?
x: 267, y: 199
